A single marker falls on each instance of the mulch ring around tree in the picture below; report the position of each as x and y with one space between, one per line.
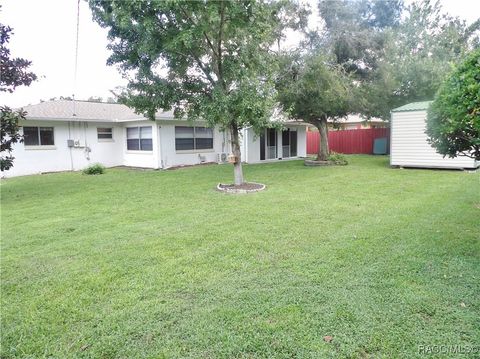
318 163
247 187
325 163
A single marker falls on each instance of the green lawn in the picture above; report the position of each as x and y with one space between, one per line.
157 264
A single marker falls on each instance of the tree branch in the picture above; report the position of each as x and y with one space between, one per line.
219 46
203 32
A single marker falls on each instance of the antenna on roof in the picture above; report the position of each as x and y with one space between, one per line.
76 60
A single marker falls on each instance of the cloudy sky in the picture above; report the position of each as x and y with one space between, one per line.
45 31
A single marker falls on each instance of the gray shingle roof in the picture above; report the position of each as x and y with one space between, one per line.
86 111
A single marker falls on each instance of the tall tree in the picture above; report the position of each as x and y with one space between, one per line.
453 123
397 54
313 90
208 60
354 31
418 55
13 73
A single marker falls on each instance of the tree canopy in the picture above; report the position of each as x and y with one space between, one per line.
312 89
396 54
453 124
13 73
208 60
418 54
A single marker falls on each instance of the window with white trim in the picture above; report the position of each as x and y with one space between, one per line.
104 133
139 138
193 138
38 136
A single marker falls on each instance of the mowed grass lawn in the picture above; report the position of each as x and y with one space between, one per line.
157 264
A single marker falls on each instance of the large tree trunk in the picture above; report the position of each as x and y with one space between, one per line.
323 151
237 166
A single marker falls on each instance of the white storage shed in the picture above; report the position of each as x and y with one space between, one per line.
409 146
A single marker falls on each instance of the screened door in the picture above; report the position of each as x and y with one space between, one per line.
293 143
286 143
271 143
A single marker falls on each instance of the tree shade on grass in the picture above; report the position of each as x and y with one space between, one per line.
152 264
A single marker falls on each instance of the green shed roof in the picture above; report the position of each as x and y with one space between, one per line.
413 106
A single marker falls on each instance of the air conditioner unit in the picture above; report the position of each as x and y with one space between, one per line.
222 157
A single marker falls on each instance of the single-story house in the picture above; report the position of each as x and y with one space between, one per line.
408 143
64 135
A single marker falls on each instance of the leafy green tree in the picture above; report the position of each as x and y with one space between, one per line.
313 90
13 73
418 54
396 54
355 31
453 123
208 60
9 134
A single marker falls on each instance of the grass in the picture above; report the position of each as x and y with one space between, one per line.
156 264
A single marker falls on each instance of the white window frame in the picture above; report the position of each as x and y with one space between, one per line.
139 139
40 146
105 133
194 150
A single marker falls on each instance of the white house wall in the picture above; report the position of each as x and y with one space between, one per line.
170 157
409 146
59 157
302 141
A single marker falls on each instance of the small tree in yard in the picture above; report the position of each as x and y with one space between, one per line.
13 73
208 60
453 123
314 91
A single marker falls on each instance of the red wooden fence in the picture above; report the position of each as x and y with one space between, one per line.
348 141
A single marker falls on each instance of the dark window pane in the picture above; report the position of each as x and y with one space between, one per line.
133 144
146 132
183 132
285 138
104 133
203 132
203 143
183 144
293 143
271 137
46 136
132 132
103 130
146 144
30 136
262 146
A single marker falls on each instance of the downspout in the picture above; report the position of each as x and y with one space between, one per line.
70 148
87 149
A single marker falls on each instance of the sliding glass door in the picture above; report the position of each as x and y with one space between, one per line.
271 143
289 143
293 143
